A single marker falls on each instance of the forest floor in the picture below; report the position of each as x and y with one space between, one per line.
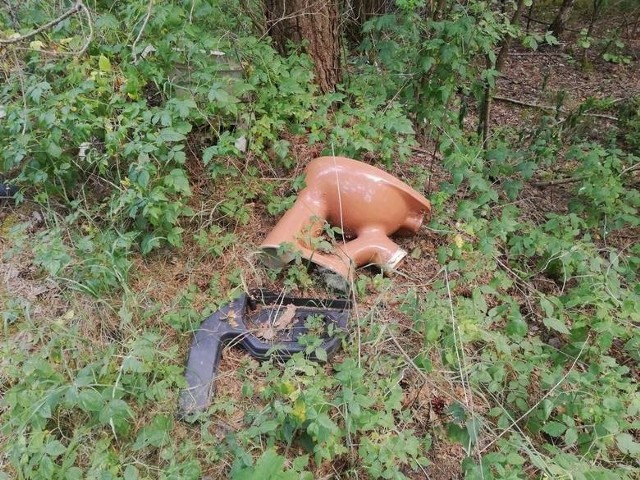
161 280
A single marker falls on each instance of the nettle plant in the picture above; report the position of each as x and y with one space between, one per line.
536 355
55 416
425 59
329 416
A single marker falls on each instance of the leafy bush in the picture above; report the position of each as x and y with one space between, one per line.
521 350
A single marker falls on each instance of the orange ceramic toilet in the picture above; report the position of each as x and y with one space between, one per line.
366 203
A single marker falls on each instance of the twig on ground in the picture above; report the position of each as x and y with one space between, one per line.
76 8
630 169
433 153
601 115
539 53
87 13
559 181
564 181
79 6
137 39
552 108
459 350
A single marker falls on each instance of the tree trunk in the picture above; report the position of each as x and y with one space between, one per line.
315 22
558 24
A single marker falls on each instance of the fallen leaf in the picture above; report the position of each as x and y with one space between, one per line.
265 332
231 318
286 319
269 331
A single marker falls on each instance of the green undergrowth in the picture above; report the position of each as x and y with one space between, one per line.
519 355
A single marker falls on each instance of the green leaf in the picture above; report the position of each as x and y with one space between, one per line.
131 473
300 462
516 325
612 403
281 148
269 465
527 169
90 400
208 154
104 64
178 180
174 236
547 306
426 63
155 434
268 426
321 354
54 150
611 425
170 135
46 467
118 415
570 436
423 362
555 429
459 434
511 188
74 473
556 324
55 448
465 210
627 444
149 242
143 179
220 96
402 126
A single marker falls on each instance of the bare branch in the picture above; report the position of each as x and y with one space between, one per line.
137 39
559 181
87 13
75 9
630 169
552 108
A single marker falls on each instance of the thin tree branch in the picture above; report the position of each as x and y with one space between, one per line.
144 24
559 181
524 104
601 115
86 11
76 8
552 108
564 181
630 169
12 13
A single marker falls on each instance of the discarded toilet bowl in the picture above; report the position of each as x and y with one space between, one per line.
367 204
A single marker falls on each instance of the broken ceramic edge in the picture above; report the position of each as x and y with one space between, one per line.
274 258
334 280
7 191
335 271
270 257
396 259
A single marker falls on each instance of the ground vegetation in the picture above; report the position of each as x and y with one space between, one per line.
147 147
